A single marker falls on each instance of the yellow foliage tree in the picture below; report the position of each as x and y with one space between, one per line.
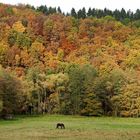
17 26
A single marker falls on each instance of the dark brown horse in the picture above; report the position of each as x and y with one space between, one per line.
60 125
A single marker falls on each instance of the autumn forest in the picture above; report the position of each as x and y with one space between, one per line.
79 63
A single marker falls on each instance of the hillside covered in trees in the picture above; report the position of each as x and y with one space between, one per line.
85 64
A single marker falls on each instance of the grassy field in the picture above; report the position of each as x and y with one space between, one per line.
77 128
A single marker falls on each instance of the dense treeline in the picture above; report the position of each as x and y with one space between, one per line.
121 15
68 65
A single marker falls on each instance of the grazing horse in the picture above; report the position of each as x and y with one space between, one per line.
61 125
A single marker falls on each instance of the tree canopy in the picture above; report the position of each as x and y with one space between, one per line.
83 62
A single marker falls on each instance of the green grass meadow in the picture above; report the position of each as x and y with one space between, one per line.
77 128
